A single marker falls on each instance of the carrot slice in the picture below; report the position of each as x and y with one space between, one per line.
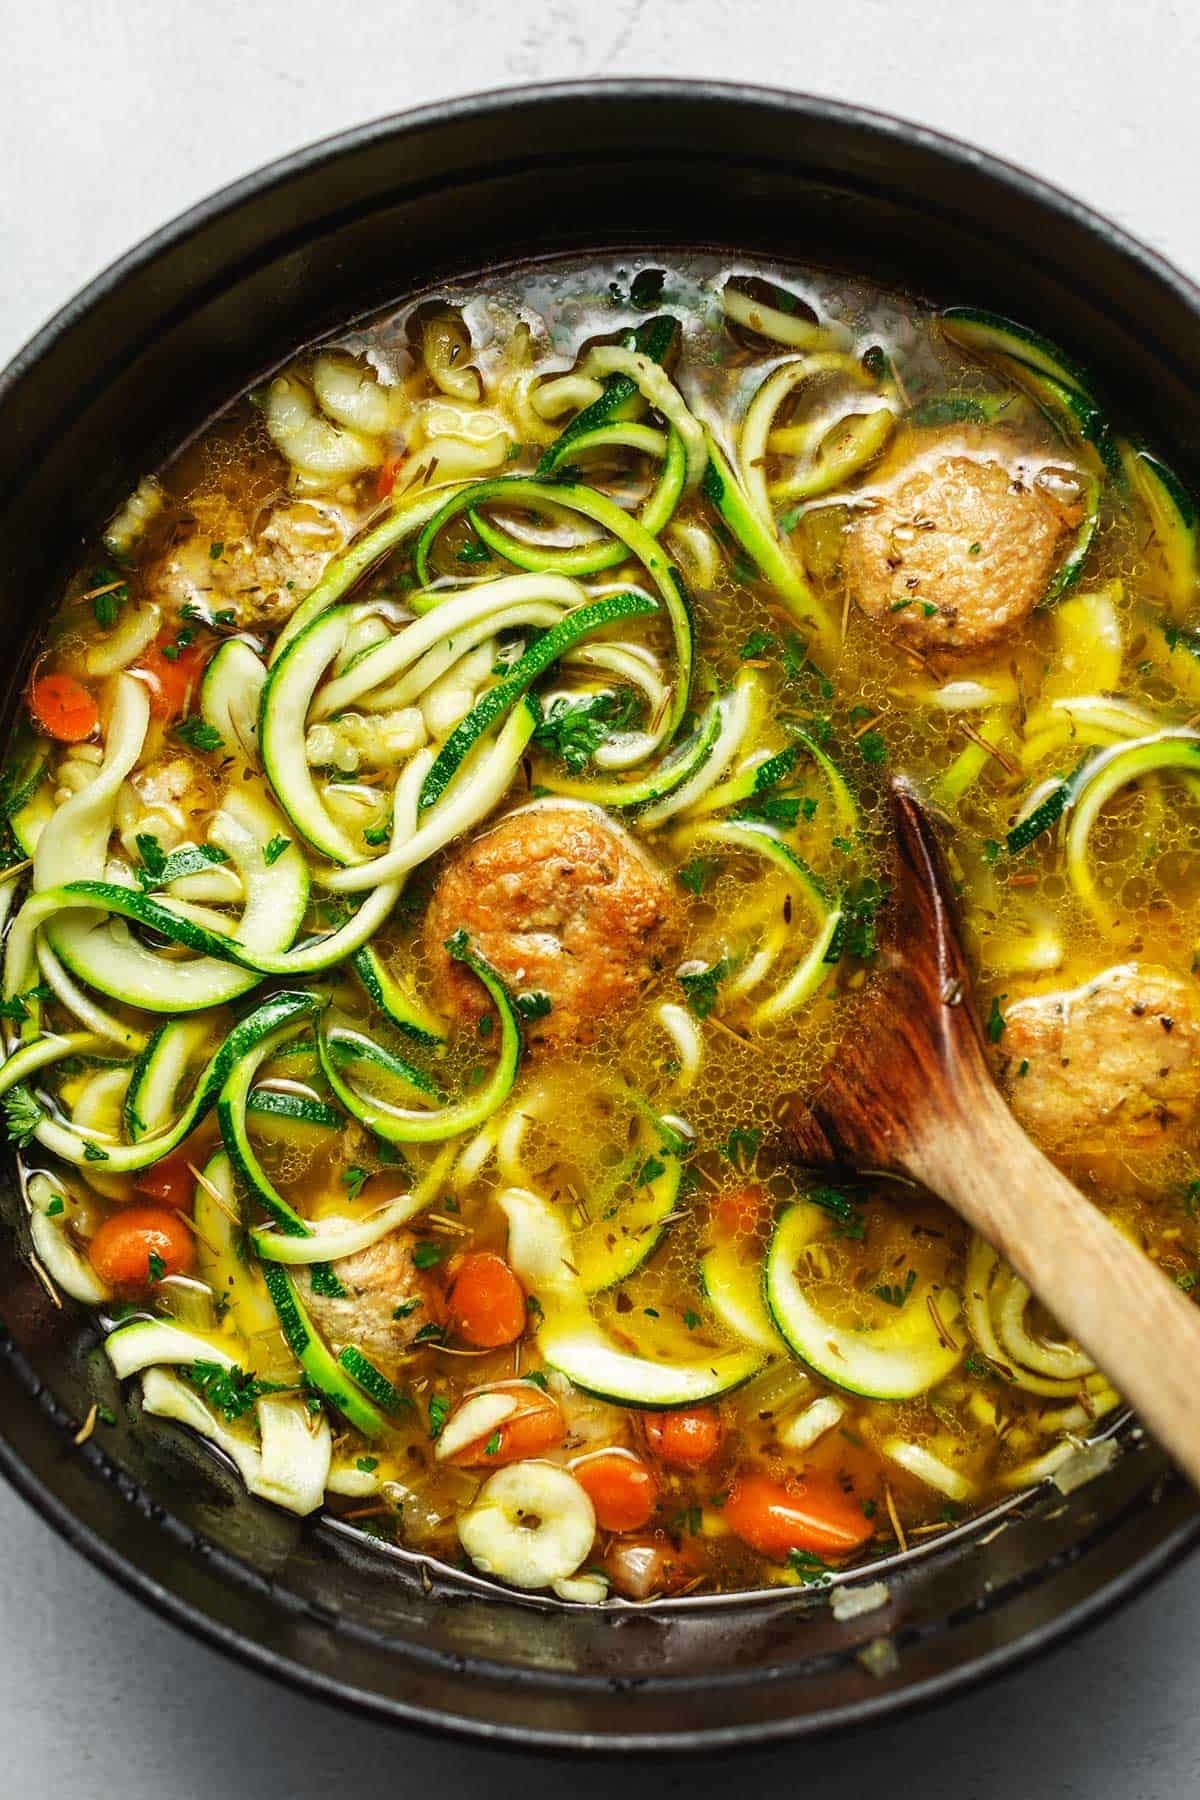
538 1427
687 1439
810 1513
172 672
63 708
621 1488
140 1245
486 1302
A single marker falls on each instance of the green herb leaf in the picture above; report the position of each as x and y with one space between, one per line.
573 730
534 1005
696 875
996 1024
895 1294
156 1268
741 1146
232 1391
427 1254
650 1171
198 734
439 1412
367 1465
812 1569
701 988
275 849
353 1180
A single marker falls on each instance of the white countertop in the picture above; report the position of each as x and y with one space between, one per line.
118 114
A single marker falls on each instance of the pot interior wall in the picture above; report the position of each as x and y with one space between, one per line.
115 383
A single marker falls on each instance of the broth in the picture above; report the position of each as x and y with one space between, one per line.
478 1227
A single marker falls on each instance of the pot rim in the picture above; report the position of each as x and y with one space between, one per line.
1140 1573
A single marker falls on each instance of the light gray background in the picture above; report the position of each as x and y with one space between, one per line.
114 115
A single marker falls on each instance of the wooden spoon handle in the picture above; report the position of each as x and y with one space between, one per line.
1141 1329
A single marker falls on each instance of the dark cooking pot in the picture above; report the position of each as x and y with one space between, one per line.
112 384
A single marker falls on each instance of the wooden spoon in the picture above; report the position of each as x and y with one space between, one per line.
910 1093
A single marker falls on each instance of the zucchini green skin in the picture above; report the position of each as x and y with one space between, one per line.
722 489
29 820
315 1358
520 490
23 775
904 1358
281 1012
656 338
734 1291
536 660
993 333
589 559
231 1117
401 1007
372 1381
145 910
296 1109
1176 525
621 1238
572 1343
286 696
164 1059
436 1126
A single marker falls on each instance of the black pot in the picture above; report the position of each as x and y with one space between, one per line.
114 383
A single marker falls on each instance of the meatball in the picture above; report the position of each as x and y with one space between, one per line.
379 1282
561 903
958 548
259 568
1118 1056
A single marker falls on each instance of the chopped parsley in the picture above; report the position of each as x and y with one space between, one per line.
198 734
427 1254
759 643
353 1180
367 1465
538 1379
22 1116
811 1569
231 1392
701 987
691 1319
848 1220
872 748
439 1412
534 1005
696 875
216 552
55 1207
492 1447
741 1146
275 849
156 1268
650 1171
573 730
473 551
405 1309
93 1153
996 1024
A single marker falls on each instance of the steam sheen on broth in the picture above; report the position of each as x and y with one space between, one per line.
447 825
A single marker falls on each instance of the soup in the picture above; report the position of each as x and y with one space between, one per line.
445 830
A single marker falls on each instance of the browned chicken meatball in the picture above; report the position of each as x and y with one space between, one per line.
1116 1060
379 1283
958 547
561 903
